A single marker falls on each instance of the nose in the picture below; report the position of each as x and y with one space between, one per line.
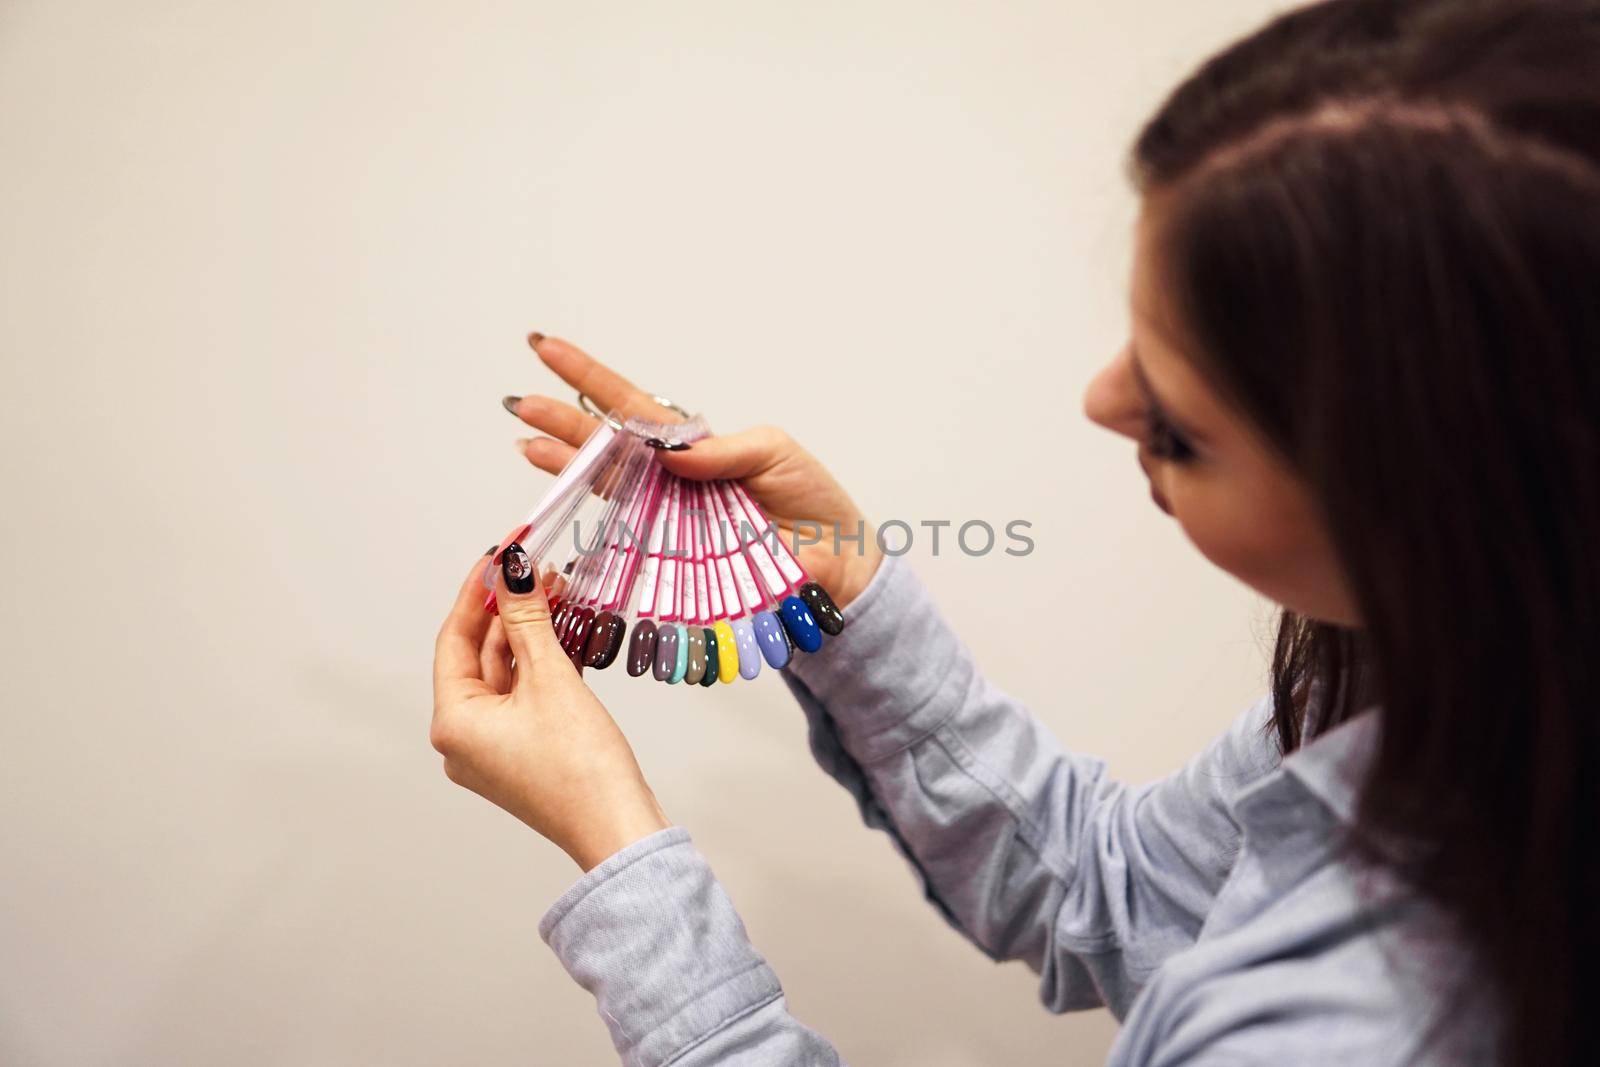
1113 398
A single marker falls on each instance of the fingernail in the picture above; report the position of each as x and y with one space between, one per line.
517 568
510 403
492 550
523 443
534 338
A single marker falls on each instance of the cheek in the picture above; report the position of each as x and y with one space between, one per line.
1262 545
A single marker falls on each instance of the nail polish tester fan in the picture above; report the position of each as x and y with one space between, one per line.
711 586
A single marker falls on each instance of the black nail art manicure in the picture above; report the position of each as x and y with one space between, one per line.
510 403
517 568
492 550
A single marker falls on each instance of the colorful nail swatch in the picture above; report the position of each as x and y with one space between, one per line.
605 639
744 637
713 656
801 626
830 620
727 651
680 662
774 642
666 653
710 589
641 647
696 669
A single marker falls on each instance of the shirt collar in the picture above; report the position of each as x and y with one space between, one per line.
1333 766
1289 816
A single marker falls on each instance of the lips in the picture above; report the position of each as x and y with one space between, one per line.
1155 494
1161 501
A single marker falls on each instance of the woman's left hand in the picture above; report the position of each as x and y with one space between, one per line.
517 726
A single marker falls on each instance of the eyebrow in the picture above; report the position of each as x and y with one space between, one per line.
1164 409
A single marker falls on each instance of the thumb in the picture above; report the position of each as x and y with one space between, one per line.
525 613
738 455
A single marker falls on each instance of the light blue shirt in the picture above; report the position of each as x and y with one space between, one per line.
1215 912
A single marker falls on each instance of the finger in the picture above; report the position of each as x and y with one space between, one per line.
561 421
455 652
525 616
546 454
609 390
495 658
738 455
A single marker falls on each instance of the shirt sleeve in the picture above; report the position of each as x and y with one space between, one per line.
651 933
1031 852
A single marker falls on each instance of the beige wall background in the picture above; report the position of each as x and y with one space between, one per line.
266 269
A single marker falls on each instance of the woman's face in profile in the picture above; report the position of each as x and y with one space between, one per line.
1208 467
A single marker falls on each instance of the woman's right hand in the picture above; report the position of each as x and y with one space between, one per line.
786 480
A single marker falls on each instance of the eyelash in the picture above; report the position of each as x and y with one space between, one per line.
1164 442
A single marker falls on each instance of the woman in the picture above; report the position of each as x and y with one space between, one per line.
1364 377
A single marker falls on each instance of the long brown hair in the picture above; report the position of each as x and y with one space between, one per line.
1385 246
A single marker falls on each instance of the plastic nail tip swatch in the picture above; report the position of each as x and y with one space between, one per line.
727 652
605 640
666 652
641 647
568 626
713 657
829 618
697 656
680 663
709 589
801 626
774 642
744 639
583 619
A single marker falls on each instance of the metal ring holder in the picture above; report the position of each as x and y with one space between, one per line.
589 407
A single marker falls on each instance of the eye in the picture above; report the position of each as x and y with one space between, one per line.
1164 442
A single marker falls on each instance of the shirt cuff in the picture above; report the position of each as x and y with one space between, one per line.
896 673
651 933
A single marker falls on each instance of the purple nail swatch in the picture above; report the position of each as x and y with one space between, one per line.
770 635
744 640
